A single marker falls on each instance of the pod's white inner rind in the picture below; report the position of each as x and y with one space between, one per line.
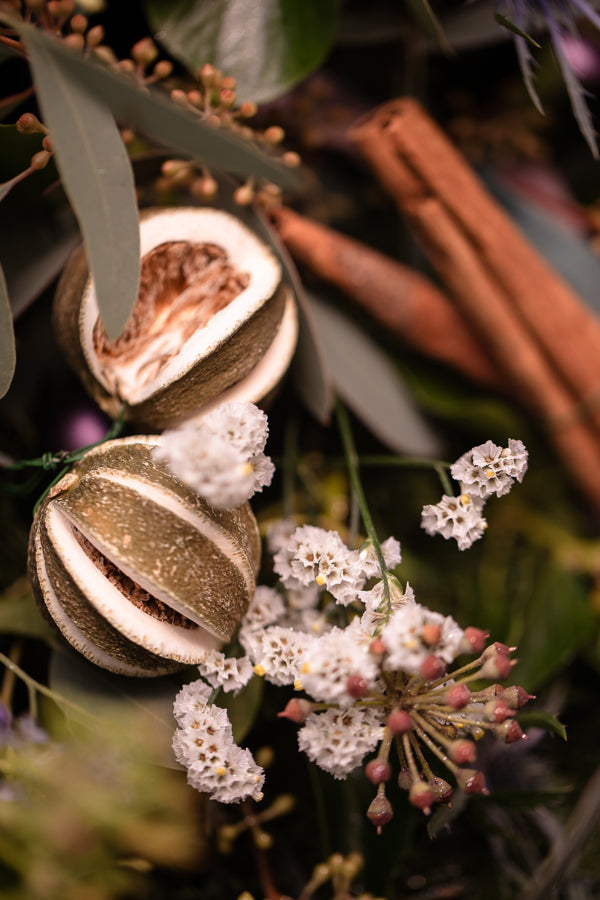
246 253
164 639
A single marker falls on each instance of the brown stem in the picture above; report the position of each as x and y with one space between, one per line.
397 296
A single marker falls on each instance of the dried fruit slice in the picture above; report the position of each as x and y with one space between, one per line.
210 307
138 572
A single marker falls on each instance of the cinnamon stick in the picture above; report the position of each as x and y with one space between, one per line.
397 296
496 279
414 160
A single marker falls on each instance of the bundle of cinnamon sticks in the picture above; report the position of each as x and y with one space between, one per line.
505 319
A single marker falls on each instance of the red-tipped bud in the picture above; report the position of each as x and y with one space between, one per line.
226 97
399 721
78 23
462 752
516 696
405 779
291 159
498 666
458 695
229 83
247 109
377 770
471 781
30 124
94 36
497 710
144 51
204 188
40 160
432 668
421 796
377 647
441 790
297 710
208 75
473 640
162 69
431 633
380 812
357 686
497 649
274 135
509 731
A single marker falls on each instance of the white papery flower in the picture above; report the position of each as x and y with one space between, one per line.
489 469
455 517
376 607
277 652
414 632
220 455
266 608
392 556
226 672
332 659
315 555
338 740
204 745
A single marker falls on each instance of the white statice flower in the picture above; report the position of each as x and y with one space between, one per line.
334 658
338 740
278 534
315 555
392 556
204 744
226 672
276 652
220 456
455 517
376 606
414 632
489 469
266 608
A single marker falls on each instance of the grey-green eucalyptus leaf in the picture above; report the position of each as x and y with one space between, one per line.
97 176
268 46
7 339
154 115
370 385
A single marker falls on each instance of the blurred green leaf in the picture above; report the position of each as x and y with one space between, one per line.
97 176
545 720
153 114
267 46
370 385
108 698
7 339
243 708
20 614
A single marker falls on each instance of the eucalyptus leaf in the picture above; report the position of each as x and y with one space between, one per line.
540 719
97 176
7 339
268 46
243 708
101 700
155 115
368 382
20 614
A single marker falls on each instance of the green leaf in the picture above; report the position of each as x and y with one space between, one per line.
368 382
108 702
545 720
153 114
7 339
97 176
243 708
268 46
20 614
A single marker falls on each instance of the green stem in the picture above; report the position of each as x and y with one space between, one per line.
353 470
438 465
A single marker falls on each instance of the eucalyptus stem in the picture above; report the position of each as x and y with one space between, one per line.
353 470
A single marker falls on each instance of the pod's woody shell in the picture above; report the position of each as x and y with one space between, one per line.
137 572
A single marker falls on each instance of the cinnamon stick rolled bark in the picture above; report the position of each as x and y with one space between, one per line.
535 328
414 161
397 296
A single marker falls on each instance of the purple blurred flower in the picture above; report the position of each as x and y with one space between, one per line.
559 17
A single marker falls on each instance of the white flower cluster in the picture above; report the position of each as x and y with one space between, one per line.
483 471
220 455
204 744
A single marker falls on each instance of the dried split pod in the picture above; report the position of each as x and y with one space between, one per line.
213 319
139 573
